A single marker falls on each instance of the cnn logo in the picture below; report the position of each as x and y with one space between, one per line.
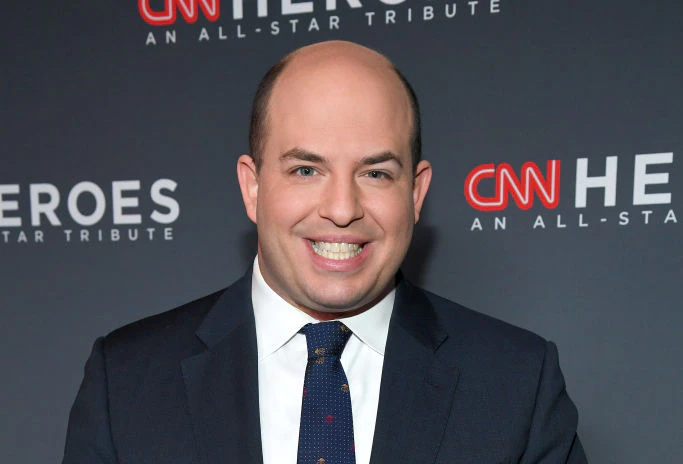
507 184
189 9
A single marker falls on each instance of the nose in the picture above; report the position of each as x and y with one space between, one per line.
340 202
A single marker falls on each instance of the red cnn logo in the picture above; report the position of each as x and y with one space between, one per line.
508 184
188 8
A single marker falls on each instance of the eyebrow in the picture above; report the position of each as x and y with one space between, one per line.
300 154
381 158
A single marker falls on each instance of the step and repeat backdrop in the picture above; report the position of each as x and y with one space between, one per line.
555 129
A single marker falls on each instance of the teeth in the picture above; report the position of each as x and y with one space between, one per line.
335 250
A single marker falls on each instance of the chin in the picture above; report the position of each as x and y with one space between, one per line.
344 301
330 303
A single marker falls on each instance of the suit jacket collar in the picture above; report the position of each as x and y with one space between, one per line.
417 389
414 313
232 311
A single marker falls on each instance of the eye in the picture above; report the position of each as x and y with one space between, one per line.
377 175
305 171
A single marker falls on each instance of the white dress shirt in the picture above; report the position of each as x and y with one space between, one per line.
282 357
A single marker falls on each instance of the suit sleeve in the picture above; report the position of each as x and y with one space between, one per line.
88 437
552 437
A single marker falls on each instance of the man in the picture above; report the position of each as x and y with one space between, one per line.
335 185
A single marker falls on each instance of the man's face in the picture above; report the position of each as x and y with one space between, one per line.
336 196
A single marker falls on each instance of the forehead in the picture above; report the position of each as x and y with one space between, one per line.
330 101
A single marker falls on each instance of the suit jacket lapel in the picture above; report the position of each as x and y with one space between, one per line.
222 382
418 385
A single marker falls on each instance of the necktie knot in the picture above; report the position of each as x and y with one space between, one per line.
326 338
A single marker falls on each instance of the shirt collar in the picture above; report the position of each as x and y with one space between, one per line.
277 321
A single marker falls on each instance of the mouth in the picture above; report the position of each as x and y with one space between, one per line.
337 250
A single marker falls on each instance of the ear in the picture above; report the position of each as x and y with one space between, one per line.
248 180
423 177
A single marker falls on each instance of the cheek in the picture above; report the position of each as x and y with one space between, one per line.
283 207
395 215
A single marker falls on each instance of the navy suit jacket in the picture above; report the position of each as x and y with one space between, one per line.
457 387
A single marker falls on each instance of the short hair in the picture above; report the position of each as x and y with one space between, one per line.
258 127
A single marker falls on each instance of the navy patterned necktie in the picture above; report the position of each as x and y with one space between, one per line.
326 431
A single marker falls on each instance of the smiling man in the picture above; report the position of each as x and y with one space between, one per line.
323 353
333 185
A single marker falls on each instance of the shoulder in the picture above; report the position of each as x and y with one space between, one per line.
467 320
170 334
483 338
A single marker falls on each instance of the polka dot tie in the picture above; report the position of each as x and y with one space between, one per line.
326 432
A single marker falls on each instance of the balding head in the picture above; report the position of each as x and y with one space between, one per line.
332 67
